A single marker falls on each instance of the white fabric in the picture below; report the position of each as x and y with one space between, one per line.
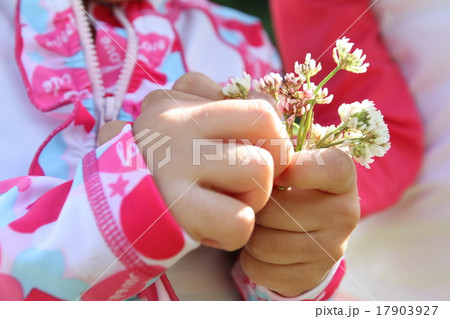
20 145
403 252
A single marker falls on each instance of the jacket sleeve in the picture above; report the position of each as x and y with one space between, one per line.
105 235
303 26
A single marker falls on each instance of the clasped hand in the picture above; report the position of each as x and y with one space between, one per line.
290 238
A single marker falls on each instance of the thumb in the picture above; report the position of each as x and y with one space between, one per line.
109 130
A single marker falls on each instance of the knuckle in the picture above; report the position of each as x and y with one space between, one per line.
289 280
239 235
349 212
256 271
187 81
255 245
343 170
352 215
309 277
315 276
247 263
335 252
331 250
153 100
258 162
233 245
264 113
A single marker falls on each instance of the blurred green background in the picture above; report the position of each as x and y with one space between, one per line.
258 8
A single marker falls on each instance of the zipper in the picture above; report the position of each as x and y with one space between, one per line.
107 107
131 52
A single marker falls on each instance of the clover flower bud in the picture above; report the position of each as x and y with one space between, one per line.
309 68
352 62
293 83
238 88
269 84
321 96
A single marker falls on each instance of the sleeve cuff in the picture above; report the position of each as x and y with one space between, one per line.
132 216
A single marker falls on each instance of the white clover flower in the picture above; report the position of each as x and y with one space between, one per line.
238 88
378 150
378 140
363 134
343 47
361 116
352 62
361 154
367 134
321 97
318 132
309 68
269 84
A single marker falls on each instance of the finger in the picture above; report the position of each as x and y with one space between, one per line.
170 98
217 220
262 96
285 247
251 121
328 170
287 280
244 121
256 116
301 210
251 166
199 84
109 130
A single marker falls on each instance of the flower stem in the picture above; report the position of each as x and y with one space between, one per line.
340 128
295 128
305 128
301 134
326 79
306 121
331 144
289 129
340 142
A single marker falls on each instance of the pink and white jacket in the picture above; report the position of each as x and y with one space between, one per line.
83 224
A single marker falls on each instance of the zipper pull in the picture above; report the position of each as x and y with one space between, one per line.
110 108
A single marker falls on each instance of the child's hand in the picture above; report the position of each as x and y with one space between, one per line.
214 202
324 202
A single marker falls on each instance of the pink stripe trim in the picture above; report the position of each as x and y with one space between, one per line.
150 293
169 288
111 233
